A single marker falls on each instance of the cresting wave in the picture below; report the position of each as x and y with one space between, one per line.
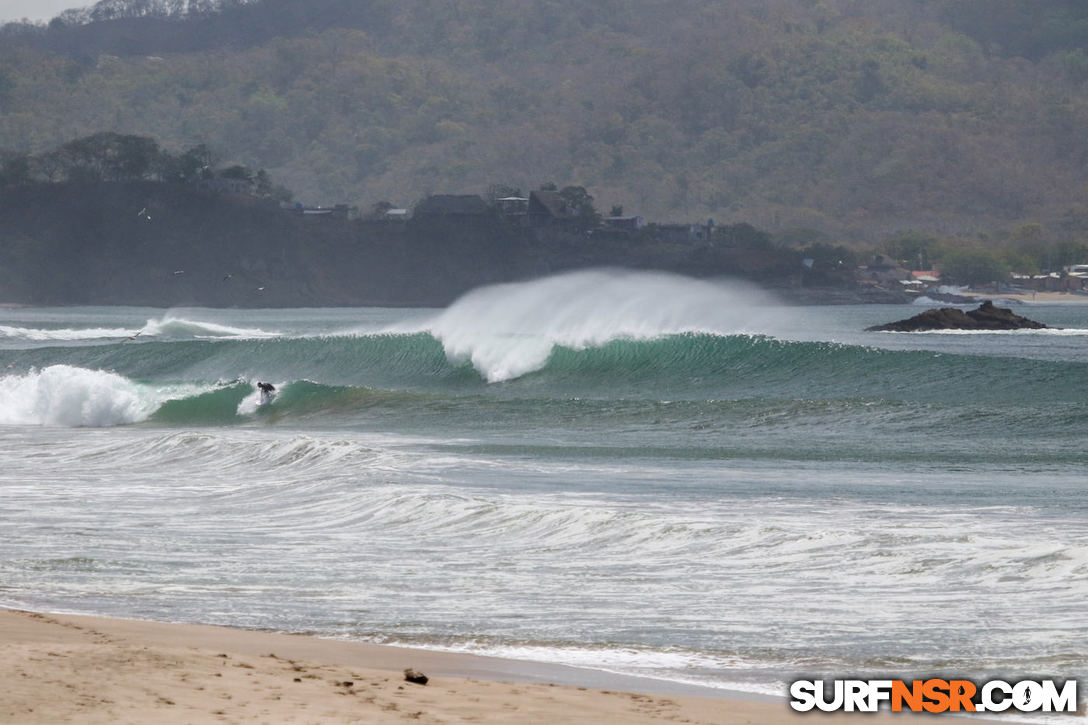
167 327
192 383
509 330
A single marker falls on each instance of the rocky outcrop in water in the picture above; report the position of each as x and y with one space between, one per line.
986 317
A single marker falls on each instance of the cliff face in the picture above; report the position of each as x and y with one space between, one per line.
162 245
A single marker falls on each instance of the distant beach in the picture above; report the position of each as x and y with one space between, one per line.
1042 298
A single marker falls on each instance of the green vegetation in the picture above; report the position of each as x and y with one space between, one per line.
108 156
859 121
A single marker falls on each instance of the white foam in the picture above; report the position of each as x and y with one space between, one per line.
65 395
41 335
509 330
249 404
170 326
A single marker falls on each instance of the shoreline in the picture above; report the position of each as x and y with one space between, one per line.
1039 298
65 668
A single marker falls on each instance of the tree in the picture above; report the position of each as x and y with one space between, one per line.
268 190
579 203
870 84
237 171
109 156
133 157
974 266
911 249
195 163
741 236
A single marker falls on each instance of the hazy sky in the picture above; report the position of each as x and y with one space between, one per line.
37 9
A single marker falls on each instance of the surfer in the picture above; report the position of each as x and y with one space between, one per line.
266 391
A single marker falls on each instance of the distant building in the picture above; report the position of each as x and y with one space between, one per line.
926 276
513 205
339 211
624 223
549 206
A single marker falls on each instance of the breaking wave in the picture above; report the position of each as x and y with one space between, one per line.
168 327
509 330
71 396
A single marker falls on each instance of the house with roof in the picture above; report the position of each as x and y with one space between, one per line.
513 205
548 206
624 223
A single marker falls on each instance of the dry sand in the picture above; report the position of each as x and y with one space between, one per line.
1036 297
73 669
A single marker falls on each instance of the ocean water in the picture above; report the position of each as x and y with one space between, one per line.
632 472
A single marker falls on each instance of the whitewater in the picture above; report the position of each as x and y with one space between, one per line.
632 472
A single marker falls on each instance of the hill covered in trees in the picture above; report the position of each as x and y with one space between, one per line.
843 120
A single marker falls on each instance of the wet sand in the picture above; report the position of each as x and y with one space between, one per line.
64 668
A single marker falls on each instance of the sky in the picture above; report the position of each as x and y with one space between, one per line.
37 9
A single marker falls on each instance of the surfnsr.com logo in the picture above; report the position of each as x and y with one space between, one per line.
934 696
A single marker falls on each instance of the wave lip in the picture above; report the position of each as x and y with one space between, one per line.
509 330
179 327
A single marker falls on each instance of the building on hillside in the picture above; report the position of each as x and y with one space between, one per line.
926 276
339 211
513 205
624 223
548 206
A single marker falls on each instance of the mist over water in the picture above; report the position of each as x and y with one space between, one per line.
509 330
629 471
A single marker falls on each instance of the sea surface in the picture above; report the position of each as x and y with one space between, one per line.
637 473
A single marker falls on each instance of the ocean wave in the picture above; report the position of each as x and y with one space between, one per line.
72 396
213 382
179 327
509 330
166 327
36 334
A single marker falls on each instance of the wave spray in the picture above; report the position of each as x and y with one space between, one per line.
509 330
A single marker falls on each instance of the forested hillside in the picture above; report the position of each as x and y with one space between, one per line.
857 118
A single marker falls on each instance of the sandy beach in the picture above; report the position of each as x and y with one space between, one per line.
64 668
1039 298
